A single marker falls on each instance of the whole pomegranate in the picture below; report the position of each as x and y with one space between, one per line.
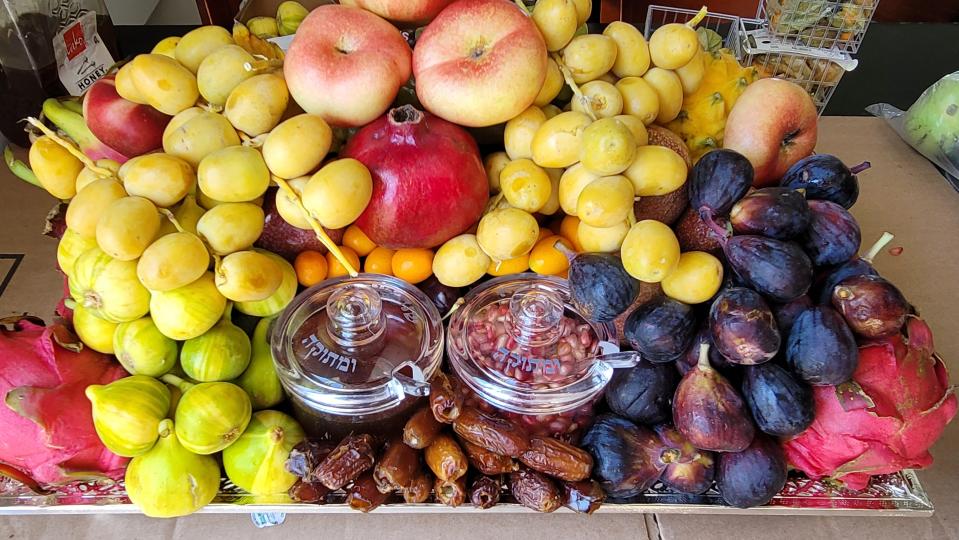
429 184
883 420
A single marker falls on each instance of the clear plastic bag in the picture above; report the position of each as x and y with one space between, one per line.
931 125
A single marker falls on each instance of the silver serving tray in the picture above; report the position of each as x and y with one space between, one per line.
897 494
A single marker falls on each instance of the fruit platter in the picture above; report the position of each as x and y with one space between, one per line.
458 256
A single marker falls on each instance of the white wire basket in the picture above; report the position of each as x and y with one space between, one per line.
824 24
752 42
817 70
727 26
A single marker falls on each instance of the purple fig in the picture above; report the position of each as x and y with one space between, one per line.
753 476
661 329
786 313
743 327
690 358
872 306
859 266
718 180
777 269
821 349
833 236
773 212
825 177
709 412
626 457
688 470
643 393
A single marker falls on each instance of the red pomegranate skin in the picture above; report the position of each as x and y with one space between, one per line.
429 183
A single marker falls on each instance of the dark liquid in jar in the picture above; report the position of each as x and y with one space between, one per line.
28 69
362 366
25 81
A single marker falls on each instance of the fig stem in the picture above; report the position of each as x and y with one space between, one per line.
703 11
561 247
722 232
69 147
228 312
70 303
317 229
577 93
703 362
456 305
877 247
183 385
19 169
861 167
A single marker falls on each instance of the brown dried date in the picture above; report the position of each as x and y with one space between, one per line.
306 455
445 402
451 492
583 497
420 489
363 495
349 459
421 429
309 492
494 434
488 462
485 491
397 467
445 458
557 458
535 490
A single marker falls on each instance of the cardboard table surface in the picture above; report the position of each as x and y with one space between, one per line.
902 193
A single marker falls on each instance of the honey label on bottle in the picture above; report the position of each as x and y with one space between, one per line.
82 57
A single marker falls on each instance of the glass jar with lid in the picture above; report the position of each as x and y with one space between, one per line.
355 354
519 349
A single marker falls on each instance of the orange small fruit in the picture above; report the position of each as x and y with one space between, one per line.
412 264
511 266
336 269
355 238
546 259
311 267
569 229
379 261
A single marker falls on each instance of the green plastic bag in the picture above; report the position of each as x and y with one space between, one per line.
931 125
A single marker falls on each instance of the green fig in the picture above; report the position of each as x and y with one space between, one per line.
210 416
169 480
260 380
256 461
281 297
95 332
222 353
142 349
127 412
289 15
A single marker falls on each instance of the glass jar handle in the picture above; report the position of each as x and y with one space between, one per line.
417 385
611 355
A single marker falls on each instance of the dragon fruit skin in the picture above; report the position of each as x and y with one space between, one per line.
48 434
896 406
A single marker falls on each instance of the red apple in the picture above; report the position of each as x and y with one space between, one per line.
773 124
417 12
346 65
479 63
127 127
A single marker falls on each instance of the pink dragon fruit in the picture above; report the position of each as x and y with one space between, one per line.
45 418
885 419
